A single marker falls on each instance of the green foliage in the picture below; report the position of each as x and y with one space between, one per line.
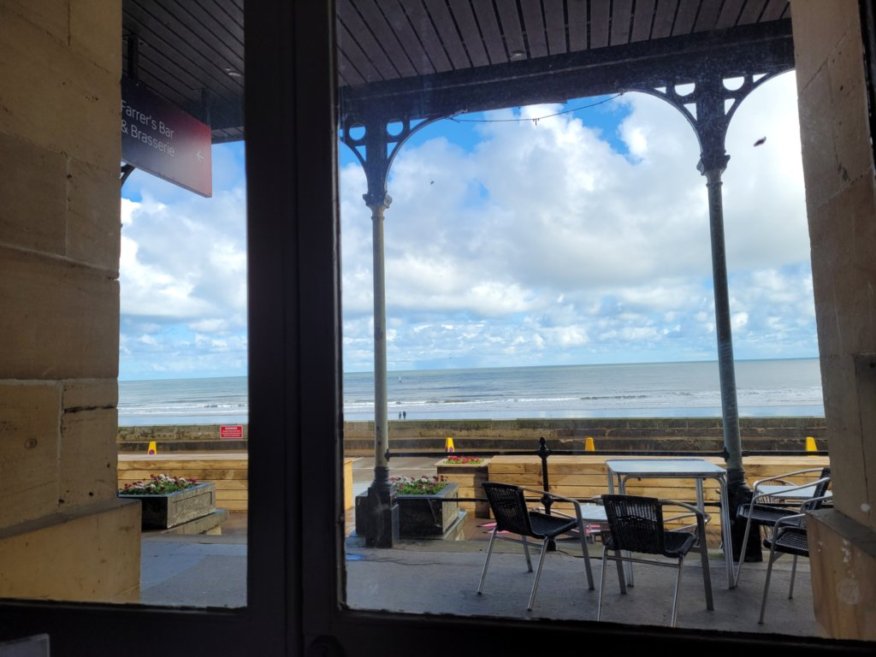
159 484
417 485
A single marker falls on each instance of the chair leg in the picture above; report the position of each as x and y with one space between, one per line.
586 553
544 549
742 550
793 574
526 552
766 586
487 562
621 576
601 584
675 595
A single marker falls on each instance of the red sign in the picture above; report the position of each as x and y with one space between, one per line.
231 431
165 141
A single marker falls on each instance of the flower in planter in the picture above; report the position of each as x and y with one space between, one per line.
463 460
159 484
417 485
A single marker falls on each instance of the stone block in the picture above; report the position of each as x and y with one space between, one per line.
60 320
88 457
818 26
849 115
83 394
842 556
90 555
820 166
32 196
29 440
49 15
55 98
96 33
93 217
861 482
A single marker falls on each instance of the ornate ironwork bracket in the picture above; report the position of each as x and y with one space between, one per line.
709 104
375 141
126 170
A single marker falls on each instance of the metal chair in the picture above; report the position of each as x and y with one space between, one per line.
636 526
770 503
788 537
510 510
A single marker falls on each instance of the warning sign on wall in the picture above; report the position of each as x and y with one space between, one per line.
231 431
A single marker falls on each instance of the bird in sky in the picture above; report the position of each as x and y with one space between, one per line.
760 141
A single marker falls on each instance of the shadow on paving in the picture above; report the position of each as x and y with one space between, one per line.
441 577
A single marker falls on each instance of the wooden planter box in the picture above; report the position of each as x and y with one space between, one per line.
427 516
468 477
164 511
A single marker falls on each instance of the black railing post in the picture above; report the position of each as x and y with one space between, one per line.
543 453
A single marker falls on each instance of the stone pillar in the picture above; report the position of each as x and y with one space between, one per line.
60 65
841 206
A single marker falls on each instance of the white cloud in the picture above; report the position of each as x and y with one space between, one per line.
577 238
183 276
547 237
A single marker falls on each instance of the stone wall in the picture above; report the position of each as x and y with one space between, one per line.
681 434
60 65
841 207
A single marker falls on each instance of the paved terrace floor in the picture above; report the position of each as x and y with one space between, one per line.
441 577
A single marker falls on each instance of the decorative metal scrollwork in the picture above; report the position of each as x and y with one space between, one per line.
709 106
376 145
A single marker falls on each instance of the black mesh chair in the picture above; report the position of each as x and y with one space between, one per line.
788 537
635 526
771 503
510 510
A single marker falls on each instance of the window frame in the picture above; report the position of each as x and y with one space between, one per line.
295 575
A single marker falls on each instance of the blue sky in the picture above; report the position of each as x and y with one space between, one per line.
580 238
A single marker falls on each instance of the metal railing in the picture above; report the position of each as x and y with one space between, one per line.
543 452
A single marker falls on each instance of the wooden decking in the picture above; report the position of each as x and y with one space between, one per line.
228 470
570 476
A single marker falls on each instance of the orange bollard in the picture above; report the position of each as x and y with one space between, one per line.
589 445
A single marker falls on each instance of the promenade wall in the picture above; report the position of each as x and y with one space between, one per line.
663 434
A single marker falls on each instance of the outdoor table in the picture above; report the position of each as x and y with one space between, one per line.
620 470
795 494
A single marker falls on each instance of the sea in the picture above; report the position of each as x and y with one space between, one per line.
765 388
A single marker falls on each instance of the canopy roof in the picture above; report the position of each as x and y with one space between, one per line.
419 58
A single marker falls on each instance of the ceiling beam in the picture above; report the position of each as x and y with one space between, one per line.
755 49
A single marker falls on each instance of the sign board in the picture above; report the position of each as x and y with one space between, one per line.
231 431
165 141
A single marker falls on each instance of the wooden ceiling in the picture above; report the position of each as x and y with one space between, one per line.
390 51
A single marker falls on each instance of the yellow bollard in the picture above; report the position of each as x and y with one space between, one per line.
589 445
153 447
810 444
448 444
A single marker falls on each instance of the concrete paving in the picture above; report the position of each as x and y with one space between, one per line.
441 577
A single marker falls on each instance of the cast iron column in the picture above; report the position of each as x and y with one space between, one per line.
713 104
380 500
712 124
376 148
